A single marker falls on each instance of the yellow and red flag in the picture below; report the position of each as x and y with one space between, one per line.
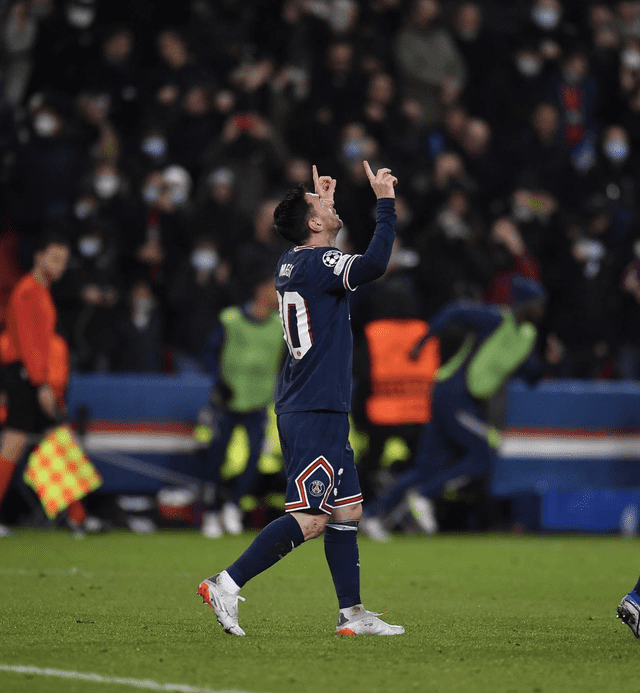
59 471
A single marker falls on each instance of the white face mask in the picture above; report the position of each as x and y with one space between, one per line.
630 58
89 246
80 17
529 67
616 149
106 185
45 124
546 17
178 195
205 259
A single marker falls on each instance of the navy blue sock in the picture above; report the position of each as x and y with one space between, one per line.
636 589
274 542
341 551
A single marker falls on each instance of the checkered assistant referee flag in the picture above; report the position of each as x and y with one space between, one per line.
59 472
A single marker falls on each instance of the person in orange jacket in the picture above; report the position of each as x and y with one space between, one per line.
35 364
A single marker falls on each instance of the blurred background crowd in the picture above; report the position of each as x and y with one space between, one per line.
160 137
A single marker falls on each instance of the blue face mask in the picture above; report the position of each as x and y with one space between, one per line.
150 193
616 149
155 147
353 148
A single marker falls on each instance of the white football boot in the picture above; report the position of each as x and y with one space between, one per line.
363 622
629 612
223 603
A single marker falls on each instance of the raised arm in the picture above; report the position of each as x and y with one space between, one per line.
373 264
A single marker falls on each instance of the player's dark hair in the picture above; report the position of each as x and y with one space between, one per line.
292 214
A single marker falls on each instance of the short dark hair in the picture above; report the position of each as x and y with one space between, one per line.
292 214
51 236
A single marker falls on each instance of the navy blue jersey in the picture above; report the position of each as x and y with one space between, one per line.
313 286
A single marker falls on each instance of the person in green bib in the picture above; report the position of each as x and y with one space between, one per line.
481 347
243 355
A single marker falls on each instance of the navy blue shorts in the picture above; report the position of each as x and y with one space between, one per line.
318 461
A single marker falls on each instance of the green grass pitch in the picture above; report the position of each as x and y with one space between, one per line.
495 614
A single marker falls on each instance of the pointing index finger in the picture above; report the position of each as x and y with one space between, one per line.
316 182
368 170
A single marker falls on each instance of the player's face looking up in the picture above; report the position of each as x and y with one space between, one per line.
324 213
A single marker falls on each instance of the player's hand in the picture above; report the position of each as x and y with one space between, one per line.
383 183
47 400
324 186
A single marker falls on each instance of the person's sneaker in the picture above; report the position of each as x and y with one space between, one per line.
211 525
363 622
423 512
5 531
629 612
232 518
223 603
373 527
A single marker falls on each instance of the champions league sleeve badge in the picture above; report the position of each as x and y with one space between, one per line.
331 258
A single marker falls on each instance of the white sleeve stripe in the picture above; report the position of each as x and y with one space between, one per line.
340 264
345 276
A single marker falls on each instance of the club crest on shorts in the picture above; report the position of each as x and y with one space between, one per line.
316 488
331 257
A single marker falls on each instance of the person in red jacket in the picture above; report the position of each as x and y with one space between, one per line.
29 349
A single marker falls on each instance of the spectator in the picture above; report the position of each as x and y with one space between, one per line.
510 259
196 294
430 66
628 355
138 332
45 179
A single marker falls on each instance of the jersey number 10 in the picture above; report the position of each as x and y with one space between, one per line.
294 315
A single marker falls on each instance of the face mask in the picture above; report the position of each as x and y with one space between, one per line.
529 67
83 210
570 77
522 213
45 124
206 260
106 185
155 147
630 58
89 246
143 305
80 17
546 17
584 157
178 195
353 148
469 34
616 149
150 193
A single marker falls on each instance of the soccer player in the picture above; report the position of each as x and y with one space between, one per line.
313 398
629 610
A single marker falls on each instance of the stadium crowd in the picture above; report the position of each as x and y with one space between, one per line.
160 136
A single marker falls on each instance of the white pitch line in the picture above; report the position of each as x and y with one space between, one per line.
147 684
